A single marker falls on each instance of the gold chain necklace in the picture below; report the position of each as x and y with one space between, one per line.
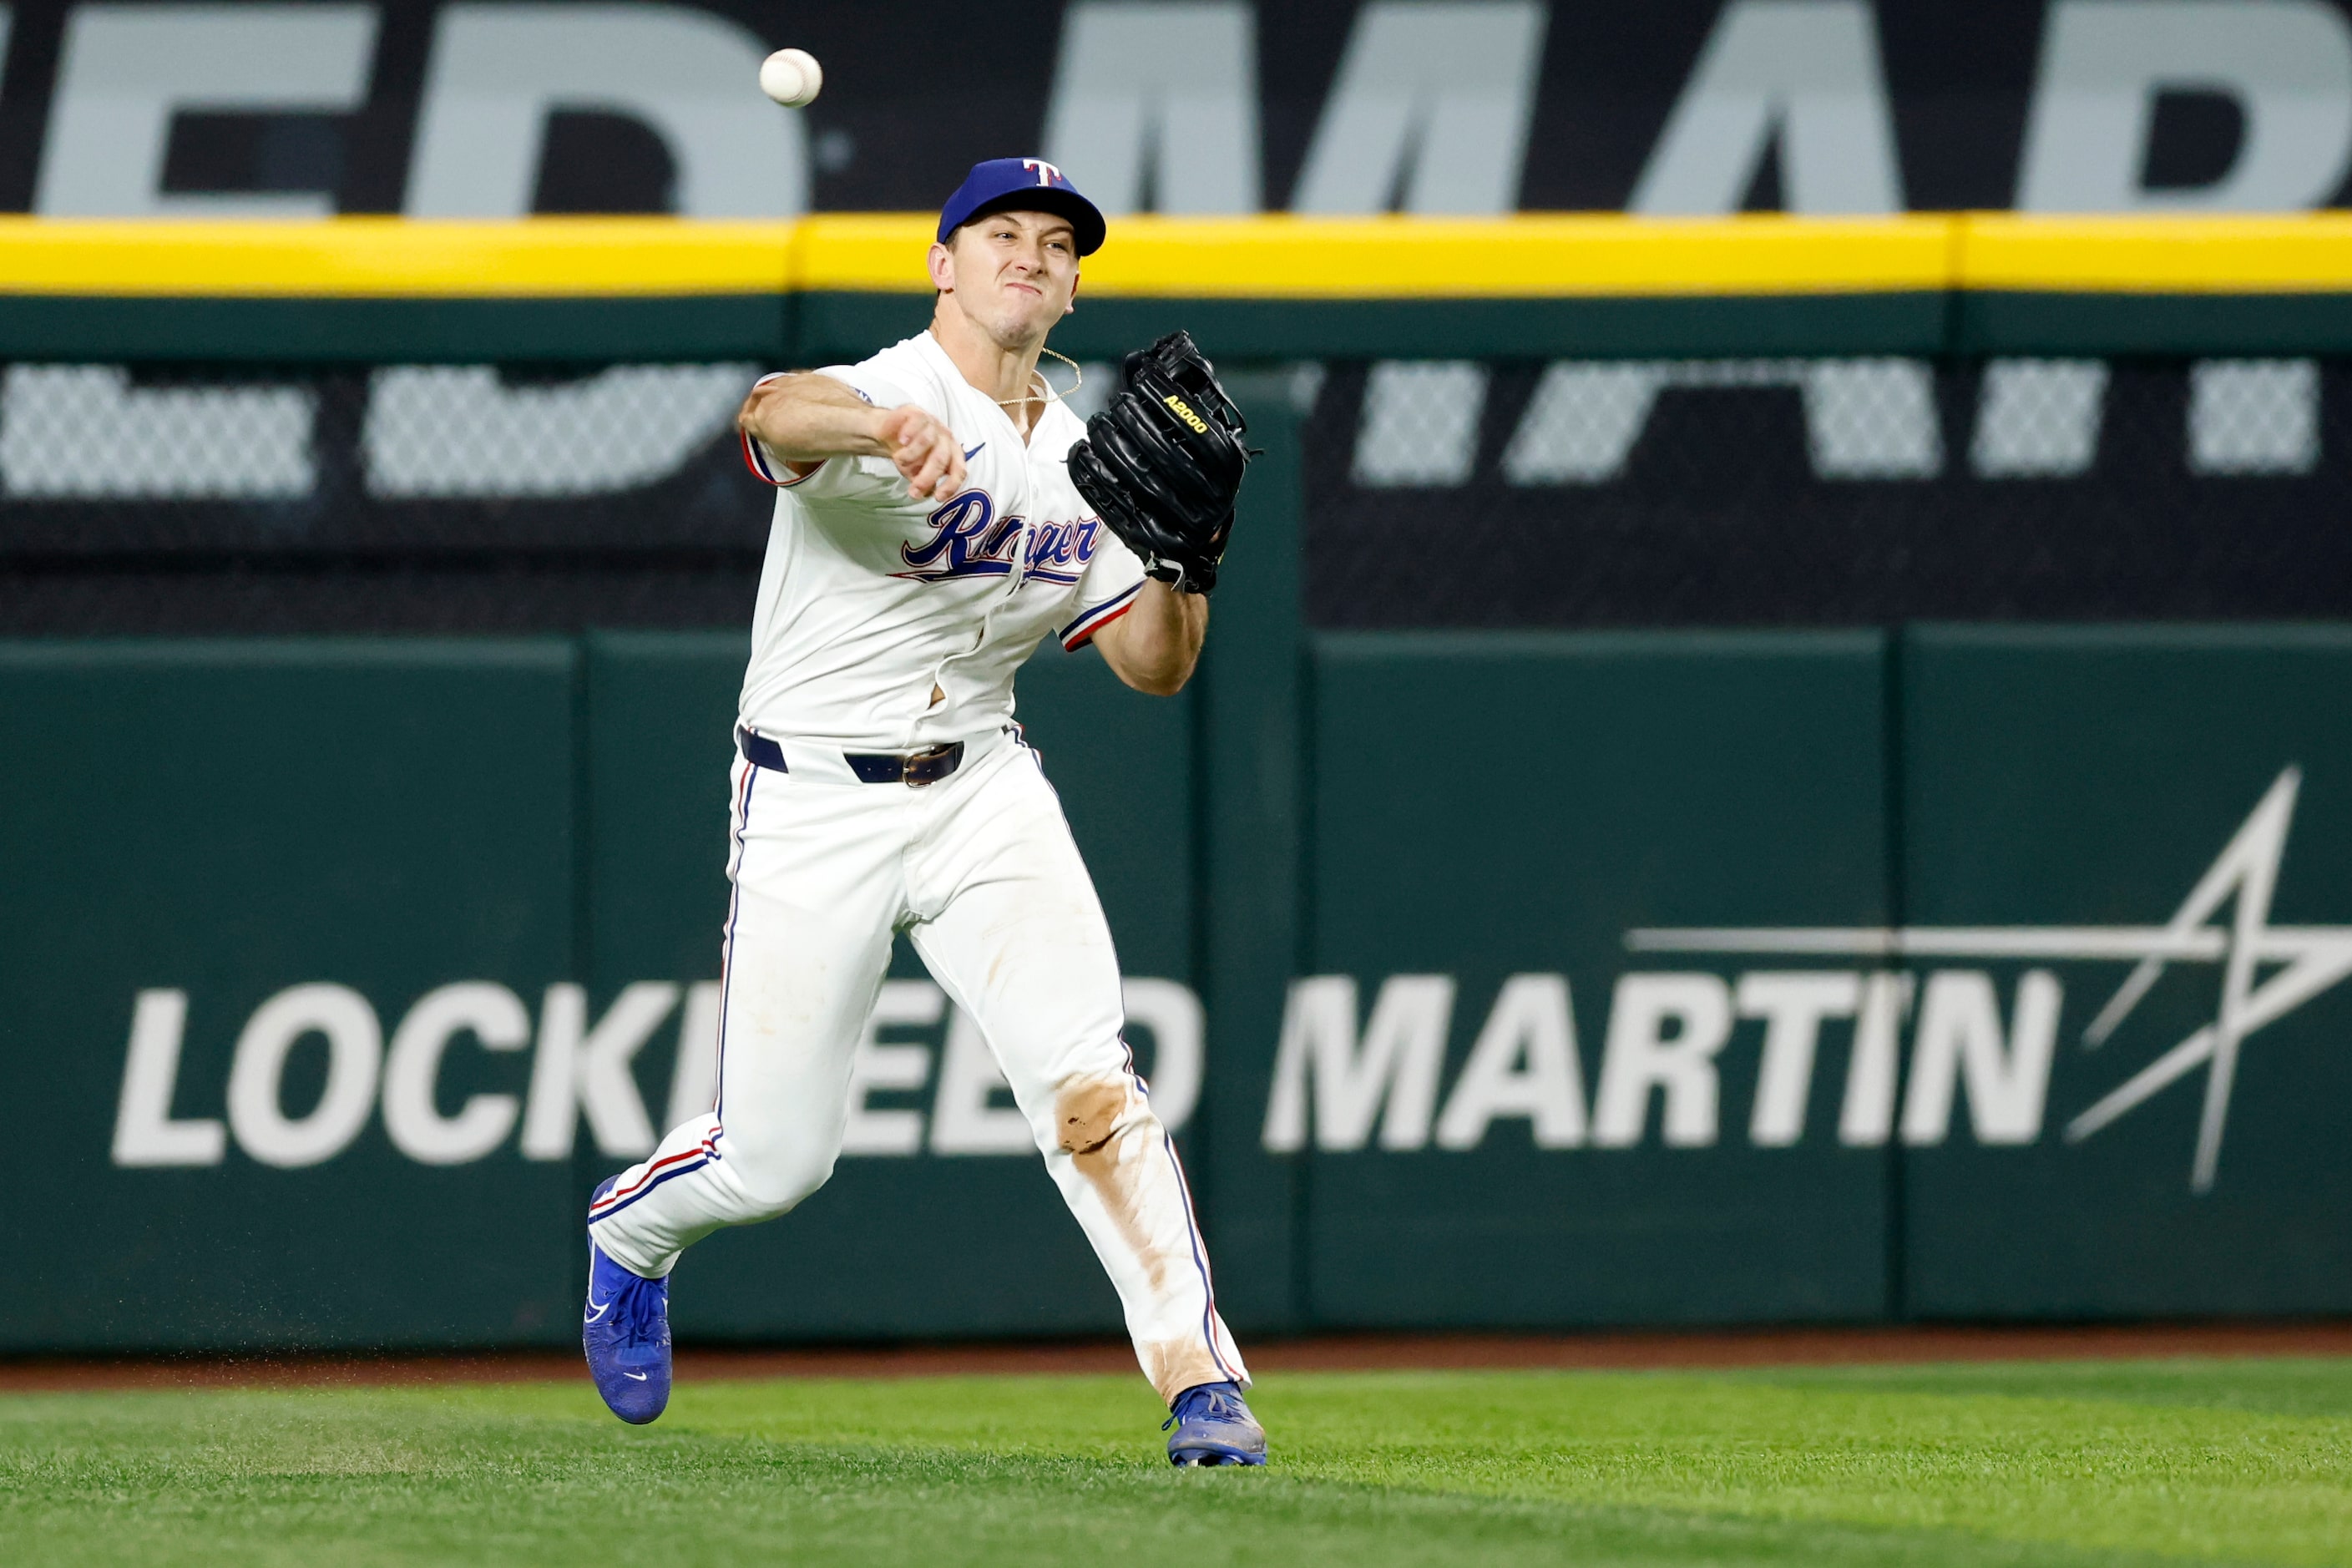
1049 395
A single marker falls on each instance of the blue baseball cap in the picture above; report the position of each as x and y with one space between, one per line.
1027 184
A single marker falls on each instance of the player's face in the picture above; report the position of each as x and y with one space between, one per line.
1014 273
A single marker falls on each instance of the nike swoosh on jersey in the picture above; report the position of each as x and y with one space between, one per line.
968 457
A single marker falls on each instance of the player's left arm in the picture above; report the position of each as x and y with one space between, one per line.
1154 646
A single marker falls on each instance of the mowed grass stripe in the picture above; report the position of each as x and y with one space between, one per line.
2066 1463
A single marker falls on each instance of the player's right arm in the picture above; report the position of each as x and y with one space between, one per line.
804 419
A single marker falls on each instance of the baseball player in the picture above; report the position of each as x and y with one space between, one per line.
938 512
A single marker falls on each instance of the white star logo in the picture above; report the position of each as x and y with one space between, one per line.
2301 962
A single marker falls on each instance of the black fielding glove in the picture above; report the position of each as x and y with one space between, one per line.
1163 462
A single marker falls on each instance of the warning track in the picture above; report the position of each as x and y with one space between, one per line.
1334 1352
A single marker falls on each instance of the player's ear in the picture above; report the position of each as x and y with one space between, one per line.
943 268
1073 305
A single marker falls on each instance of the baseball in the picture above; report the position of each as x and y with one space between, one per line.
792 76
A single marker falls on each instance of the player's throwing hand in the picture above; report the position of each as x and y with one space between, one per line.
925 451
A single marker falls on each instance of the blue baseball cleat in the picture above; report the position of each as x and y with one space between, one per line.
1214 1427
625 1332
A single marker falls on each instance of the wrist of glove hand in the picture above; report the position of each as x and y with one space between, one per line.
1199 577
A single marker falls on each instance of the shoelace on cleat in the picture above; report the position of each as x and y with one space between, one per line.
642 1317
1215 1403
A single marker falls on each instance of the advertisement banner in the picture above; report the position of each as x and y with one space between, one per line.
1500 982
496 109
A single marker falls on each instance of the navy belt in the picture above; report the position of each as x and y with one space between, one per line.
914 769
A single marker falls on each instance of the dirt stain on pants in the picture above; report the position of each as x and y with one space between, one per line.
1114 1140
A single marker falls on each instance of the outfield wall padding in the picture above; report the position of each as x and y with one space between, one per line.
1271 286
1487 808
228 821
1570 949
2096 777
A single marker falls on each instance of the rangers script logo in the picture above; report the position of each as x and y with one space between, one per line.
971 540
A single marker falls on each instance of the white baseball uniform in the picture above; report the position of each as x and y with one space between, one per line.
888 625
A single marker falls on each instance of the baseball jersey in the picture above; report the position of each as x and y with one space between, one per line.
871 600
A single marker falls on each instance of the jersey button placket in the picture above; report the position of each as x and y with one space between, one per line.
1020 573
1012 581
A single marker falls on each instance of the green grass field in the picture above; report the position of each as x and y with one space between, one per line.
2222 1461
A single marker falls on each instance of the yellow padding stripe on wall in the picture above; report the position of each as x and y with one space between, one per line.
1276 256
1280 257
2308 253
388 258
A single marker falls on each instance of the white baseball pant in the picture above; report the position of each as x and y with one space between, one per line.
980 870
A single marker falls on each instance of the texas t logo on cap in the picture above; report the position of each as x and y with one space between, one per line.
1027 184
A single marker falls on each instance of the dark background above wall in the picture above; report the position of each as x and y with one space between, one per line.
1958 79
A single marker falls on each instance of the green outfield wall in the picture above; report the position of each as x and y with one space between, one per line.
1489 980
192 830
1497 981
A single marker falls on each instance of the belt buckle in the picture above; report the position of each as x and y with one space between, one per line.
911 766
